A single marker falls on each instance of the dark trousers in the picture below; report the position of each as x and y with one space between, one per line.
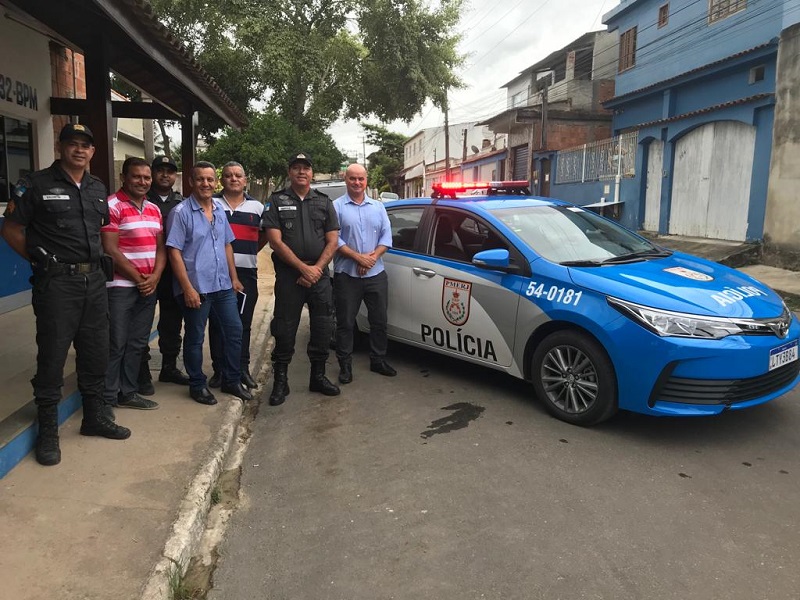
348 294
130 320
223 305
70 309
170 318
246 305
289 301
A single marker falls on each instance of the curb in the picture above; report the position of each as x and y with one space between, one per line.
187 530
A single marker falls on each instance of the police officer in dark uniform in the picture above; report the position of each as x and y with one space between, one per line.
170 315
53 220
303 232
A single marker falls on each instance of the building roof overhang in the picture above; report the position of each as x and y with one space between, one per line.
140 50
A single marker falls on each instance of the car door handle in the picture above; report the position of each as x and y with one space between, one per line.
423 272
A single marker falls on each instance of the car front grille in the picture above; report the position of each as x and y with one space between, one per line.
721 391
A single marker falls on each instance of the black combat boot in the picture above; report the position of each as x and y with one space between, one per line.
320 383
95 422
170 373
345 370
280 384
47 451
145 380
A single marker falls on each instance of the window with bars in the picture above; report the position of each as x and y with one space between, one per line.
627 49
663 15
719 9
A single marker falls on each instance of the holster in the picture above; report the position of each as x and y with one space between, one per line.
107 265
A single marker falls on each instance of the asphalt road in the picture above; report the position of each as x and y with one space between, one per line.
451 482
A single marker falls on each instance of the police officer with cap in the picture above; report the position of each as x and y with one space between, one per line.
53 220
303 231
170 314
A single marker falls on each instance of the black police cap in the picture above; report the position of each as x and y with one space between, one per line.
72 129
301 157
163 161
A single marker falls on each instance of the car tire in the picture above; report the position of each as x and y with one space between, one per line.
573 375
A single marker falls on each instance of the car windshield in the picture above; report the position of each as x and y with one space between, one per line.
570 235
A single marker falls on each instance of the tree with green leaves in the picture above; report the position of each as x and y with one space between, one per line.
386 163
265 144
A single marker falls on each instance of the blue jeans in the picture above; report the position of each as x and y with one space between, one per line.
223 305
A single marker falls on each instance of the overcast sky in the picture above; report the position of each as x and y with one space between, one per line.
500 38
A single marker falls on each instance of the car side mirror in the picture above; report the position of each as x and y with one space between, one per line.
496 258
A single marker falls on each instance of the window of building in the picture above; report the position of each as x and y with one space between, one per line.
16 154
627 49
663 15
757 74
719 9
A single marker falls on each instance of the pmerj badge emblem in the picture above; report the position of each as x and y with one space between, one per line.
456 297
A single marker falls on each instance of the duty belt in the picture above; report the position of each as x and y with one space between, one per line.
73 268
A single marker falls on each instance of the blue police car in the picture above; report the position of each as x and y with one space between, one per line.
596 317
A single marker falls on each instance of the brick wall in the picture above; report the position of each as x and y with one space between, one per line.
68 74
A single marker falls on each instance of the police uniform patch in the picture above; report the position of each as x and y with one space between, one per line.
21 188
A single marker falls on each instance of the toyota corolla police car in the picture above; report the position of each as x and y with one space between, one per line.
596 317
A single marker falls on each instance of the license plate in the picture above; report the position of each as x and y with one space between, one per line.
782 355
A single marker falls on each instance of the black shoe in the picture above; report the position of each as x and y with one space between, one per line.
173 375
382 367
146 388
102 427
345 371
323 385
136 401
48 452
203 396
236 389
215 381
247 379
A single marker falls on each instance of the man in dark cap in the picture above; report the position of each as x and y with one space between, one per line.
53 220
303 232
170 314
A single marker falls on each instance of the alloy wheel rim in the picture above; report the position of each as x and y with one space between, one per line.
569 378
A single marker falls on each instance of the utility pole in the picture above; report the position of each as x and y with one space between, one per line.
464 149
446 141
364 149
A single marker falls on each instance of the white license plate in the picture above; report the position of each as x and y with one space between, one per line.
782 355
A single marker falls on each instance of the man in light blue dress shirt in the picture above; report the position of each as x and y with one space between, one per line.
201 255
359 275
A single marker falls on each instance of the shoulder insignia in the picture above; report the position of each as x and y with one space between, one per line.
21 187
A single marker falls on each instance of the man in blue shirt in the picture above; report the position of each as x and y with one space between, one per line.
201 255
359 275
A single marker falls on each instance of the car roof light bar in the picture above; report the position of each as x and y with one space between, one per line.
444 189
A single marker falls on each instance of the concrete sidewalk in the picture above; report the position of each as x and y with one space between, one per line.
113 516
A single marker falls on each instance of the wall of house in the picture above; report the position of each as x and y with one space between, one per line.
605 56
24 65
688 41
782 222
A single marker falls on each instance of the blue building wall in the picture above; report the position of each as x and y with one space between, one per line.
691 73
14 286
688 40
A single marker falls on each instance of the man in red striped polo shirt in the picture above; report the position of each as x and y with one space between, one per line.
134 238
244 215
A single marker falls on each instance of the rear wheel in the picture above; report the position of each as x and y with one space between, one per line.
574 377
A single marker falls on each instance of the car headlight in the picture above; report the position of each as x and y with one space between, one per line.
667 323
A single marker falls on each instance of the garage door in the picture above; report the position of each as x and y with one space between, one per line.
711 187
520 164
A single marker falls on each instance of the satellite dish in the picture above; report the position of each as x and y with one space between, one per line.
475 149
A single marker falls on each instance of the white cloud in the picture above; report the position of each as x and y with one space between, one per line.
501 39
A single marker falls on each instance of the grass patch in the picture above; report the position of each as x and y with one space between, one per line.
216 496
176 581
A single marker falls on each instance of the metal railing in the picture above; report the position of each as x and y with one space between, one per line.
598 161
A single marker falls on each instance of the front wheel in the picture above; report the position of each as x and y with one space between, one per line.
574 377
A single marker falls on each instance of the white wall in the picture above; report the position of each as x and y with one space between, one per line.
25 61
